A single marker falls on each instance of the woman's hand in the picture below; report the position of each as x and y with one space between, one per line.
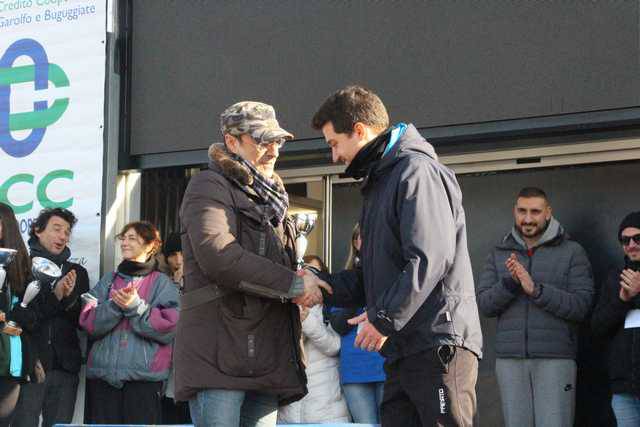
125 297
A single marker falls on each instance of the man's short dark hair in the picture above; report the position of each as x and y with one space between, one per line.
349 106
528 192
45 215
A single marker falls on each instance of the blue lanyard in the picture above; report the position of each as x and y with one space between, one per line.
15 349
396 133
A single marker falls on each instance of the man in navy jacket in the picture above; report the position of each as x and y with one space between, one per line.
416 279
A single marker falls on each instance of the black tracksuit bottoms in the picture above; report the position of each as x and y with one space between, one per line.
436 387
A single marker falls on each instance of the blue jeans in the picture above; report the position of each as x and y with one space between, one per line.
364 400
233 408
626 407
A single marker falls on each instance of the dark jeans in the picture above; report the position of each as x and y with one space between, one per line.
137 402
175 412
9 392
55 398
433 388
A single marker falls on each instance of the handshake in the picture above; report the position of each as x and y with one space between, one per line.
312 294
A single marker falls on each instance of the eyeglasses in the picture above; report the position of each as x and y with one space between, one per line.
263 145
625 240
128 238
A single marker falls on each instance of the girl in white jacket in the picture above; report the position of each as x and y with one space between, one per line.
324 403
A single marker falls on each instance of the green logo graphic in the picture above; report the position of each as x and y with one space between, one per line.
40 73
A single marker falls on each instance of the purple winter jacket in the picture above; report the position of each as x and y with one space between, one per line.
133 344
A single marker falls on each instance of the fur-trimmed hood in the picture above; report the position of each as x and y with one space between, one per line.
219 155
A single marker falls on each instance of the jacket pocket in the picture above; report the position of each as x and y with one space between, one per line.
252 232
247 347
444 312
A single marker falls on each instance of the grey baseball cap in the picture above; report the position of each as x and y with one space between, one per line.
253 118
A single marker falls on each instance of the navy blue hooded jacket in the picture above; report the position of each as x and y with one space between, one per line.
416 279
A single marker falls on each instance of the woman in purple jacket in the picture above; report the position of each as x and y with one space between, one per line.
131 315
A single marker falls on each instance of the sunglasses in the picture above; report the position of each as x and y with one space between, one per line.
625 240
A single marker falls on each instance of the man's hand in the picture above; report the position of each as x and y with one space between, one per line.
69 282
312 294
65 285
520 274
368 337
629 284
510 263
125 297
58 289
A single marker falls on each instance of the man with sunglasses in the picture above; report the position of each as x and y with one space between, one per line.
238 348
538 282
617 319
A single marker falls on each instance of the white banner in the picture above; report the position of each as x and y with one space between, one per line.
52 71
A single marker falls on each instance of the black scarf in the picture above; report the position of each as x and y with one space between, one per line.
633 265
368 155
270 193
37 250
134 268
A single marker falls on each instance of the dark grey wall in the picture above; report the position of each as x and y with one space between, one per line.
434 63
590 201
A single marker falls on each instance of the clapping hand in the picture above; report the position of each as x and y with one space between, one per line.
368 337
312 294
629 284
511 265
65 285
125 297
69 282
520 274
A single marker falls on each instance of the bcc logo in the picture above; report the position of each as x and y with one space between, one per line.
40 73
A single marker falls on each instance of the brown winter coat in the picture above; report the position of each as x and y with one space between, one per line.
250 338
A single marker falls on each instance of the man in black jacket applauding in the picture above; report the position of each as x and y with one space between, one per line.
59 353
617 318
